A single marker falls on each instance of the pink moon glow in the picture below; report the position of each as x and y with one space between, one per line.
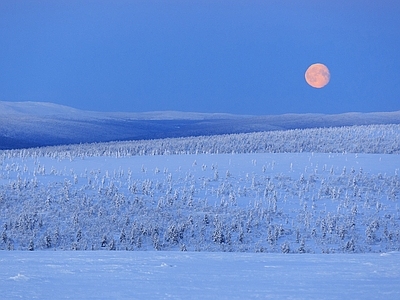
317 75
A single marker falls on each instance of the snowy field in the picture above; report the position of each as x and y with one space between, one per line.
261 202
197 275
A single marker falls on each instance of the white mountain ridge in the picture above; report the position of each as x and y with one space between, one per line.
50 110
33 124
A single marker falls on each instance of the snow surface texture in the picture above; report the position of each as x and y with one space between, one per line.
33 124
106 196
197 275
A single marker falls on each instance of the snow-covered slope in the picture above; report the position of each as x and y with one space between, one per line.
31 124
221 193
287 195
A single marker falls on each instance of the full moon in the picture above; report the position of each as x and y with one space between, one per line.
317 75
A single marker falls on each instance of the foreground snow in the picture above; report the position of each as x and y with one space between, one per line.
197 275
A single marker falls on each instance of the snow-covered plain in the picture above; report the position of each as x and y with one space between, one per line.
229 217
260 202
197 275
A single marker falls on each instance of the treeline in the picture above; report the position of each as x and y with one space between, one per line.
354 139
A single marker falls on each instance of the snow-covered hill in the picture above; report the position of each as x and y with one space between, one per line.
201 207
33 124
220 193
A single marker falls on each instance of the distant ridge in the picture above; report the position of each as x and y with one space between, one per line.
35 124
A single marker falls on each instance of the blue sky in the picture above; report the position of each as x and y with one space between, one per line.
242 57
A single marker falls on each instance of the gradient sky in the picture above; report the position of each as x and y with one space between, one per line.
242 57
